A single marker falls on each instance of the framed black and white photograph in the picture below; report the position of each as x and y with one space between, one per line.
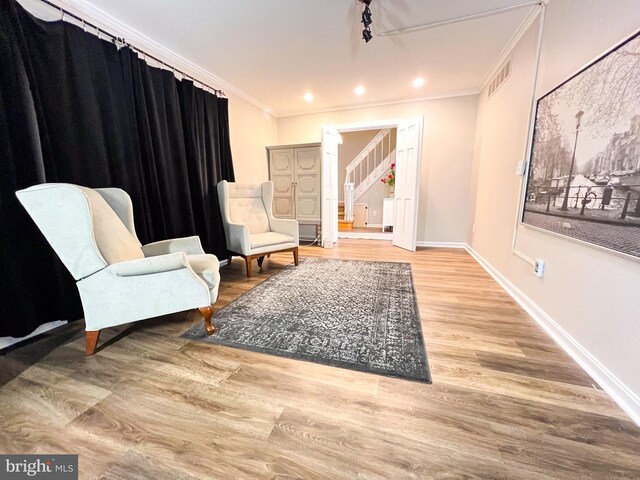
584 173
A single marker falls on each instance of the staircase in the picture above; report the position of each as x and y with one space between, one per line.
342 223
366 169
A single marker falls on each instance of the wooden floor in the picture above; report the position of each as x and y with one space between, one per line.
505 401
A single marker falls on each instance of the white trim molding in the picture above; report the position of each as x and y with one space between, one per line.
367 235
453 20
424 244
612 385
511 44
340 108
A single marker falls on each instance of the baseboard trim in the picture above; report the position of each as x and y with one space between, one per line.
612 385
366 235
420 243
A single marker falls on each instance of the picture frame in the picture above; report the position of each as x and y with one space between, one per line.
583 180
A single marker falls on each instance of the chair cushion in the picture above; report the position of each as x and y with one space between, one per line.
115 242
249 211
207 267
269 238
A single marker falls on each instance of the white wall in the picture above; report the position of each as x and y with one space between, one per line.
591 294
251 130
449 126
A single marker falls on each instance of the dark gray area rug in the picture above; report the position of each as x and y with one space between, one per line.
344 313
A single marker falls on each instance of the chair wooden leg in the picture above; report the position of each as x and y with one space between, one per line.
248 262
207 313
295 256
91 341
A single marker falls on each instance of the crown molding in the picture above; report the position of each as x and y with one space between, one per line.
118 28
511 44
460 93
91 13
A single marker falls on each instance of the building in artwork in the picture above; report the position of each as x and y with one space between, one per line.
622 154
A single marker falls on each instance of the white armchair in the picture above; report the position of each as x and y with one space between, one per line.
249 225
119 280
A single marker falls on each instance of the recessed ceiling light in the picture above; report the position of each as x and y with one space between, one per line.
360 90
308 97
418 82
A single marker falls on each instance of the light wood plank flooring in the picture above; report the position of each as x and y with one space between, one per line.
505 402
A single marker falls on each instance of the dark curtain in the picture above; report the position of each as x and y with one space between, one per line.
204 141
74 108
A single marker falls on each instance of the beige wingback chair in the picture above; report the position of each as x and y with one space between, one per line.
249 225
119 280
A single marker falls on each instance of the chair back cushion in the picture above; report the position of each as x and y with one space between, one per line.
78 223
120 202
246 207
114 240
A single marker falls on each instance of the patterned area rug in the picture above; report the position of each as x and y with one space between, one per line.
344 313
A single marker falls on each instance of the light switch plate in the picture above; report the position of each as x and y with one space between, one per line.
539 268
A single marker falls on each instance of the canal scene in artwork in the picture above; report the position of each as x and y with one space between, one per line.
584 173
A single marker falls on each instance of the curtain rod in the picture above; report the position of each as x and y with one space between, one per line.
120 42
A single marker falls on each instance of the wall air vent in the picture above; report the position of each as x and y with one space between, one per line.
500 78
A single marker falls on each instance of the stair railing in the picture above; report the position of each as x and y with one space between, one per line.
367 168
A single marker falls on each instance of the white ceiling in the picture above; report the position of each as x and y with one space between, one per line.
276 50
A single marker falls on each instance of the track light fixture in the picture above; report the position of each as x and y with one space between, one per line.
367 35
366 21
366 17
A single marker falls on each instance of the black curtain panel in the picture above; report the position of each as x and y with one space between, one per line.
35 287
205 142
74 108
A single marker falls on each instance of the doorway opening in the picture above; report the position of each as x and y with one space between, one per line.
366 173
370 181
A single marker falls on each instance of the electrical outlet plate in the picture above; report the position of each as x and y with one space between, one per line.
539 268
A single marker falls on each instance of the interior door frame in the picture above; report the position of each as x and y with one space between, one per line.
356 127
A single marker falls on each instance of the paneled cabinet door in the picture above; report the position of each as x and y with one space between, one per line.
307 184
282 176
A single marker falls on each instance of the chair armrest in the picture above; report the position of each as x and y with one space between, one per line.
286 226
238 240
188 245
150 265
